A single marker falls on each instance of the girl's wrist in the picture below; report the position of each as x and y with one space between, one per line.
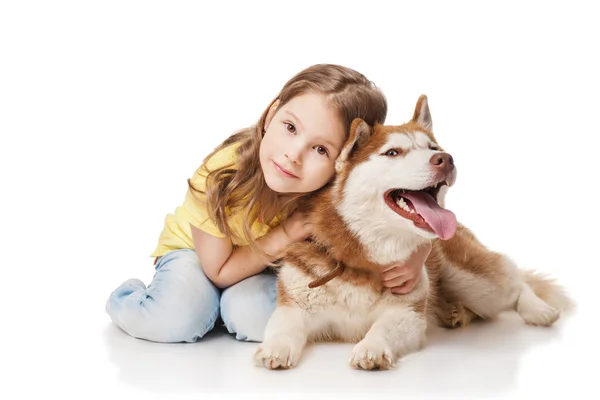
275 242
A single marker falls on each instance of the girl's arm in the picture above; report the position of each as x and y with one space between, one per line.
225 266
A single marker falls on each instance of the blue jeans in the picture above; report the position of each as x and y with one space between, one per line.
182 304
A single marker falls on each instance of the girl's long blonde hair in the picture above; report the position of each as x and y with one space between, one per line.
241 187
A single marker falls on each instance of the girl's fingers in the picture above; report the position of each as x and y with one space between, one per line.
393 273
406 288
395 282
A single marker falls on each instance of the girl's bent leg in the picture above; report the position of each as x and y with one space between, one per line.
180 305
247 306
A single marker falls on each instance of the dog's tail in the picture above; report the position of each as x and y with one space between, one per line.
548 290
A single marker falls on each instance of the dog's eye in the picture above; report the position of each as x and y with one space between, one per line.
433 147
392 153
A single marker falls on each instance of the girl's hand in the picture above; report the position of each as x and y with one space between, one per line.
403 278
297 227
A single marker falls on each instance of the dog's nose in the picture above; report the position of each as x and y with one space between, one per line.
442 162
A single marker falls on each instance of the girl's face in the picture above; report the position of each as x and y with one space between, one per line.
301 142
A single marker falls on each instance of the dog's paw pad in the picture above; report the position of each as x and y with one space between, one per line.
459 317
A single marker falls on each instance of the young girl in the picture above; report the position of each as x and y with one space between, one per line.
213 254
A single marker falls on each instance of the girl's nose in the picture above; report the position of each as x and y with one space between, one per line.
294 154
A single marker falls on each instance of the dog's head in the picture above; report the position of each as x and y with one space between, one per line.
392 180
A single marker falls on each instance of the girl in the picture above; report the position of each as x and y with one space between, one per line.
238 215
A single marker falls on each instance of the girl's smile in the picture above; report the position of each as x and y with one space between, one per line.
284 171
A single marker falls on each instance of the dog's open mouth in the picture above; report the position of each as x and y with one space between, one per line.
422 208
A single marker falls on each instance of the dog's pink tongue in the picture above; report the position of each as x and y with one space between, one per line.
442 221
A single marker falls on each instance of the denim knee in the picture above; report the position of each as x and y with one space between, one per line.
247 306
180 305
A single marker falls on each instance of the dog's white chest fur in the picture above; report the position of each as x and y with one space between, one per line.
339 309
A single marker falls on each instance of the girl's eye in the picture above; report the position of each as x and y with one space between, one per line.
322 150
392 153
291 128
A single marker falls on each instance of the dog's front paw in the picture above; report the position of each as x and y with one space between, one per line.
276 355
372 355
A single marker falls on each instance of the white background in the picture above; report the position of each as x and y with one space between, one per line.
107 107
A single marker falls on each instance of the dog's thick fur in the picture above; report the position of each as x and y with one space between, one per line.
358 233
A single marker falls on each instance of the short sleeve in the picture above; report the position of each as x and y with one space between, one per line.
195 202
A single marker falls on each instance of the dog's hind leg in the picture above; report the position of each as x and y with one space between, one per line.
488 283
502 288
285 338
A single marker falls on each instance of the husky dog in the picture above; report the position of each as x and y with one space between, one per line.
387 199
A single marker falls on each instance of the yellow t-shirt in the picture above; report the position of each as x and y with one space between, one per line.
177 234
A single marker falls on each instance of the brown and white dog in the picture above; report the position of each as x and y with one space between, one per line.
386 200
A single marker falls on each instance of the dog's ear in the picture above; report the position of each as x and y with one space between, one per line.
422 115
360 132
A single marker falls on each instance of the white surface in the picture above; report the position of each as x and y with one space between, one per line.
94 98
